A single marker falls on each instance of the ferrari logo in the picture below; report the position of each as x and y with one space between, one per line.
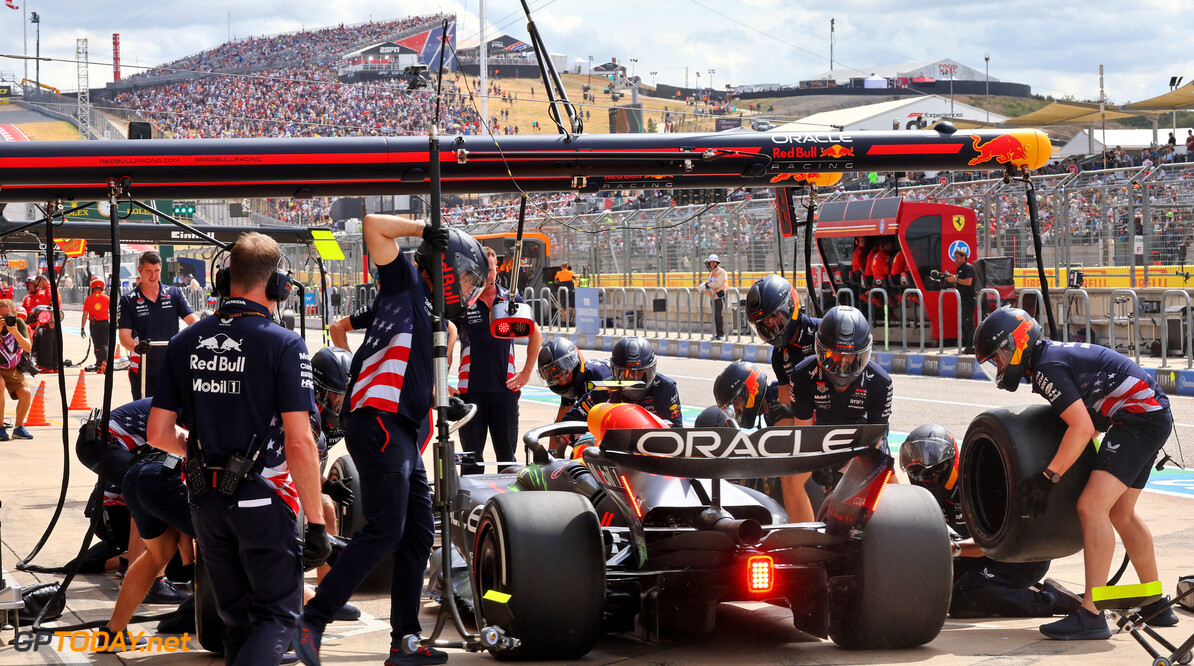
959 222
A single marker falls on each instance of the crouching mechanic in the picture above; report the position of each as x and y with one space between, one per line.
841 385
742 389
567 373
982 586
773 307
1092 389
244 385
633 360
388 398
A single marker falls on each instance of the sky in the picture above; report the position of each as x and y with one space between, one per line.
1055 47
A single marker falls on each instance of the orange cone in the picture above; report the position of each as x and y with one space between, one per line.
37 411
79 399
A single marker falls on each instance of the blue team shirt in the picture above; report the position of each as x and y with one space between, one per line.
390 372
486 362
232 376
867 400
1106 381
800 346
661 398
596 370
152 320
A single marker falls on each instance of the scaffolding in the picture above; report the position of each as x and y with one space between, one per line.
83 112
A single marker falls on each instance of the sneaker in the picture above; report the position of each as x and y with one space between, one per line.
424 655
1081 625
164 592
19 432
4 434
1064 601
117 641
306 642
347 613
1166 618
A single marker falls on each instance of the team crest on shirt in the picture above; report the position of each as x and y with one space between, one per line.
219 343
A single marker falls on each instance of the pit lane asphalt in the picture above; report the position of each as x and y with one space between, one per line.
746 632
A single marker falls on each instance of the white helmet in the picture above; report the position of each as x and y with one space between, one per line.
712 258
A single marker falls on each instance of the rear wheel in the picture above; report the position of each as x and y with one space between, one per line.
351 518
539 575
903 582
209 628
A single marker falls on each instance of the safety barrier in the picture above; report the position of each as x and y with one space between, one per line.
1065 313
982 293
920 312
1187 327
870 312
941 319
849 292
655 297
1040 300
731 312
1132 317
688 311
567 305
640 316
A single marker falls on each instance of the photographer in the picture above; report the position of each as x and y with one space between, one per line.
715 285
14 344
964 282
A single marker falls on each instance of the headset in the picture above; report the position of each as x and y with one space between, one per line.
277 289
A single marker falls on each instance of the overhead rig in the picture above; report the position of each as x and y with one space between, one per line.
41 171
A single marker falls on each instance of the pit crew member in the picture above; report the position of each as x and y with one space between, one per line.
487 377
148 313
982 586
388 398
773 308
568 373
1092 389
633 359
244 385
96 310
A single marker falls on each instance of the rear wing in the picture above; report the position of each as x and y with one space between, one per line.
727 453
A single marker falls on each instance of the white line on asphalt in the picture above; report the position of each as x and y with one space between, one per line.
943 402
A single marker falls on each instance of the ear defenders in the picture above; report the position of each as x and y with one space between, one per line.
277 289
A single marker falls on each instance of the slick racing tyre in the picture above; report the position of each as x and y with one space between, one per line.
885 607
1003 447
349 519
209 628
539 574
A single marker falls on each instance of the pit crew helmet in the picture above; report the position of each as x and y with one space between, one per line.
771 304
633 359
96 283
843 344
559 361
741 389
465 264
330 368
715 417
930 458
1003 345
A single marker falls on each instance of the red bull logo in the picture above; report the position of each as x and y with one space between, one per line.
752 388
837 151
1003 149
794 176
795 153
1020 337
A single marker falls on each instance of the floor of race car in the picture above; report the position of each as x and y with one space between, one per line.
746 632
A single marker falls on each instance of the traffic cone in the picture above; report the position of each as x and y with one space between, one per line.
37 411
79 399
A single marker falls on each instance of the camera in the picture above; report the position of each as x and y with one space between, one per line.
10 320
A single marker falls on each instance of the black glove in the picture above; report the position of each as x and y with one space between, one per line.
436 237
317 547
457 408
142 347
338 491
1035 491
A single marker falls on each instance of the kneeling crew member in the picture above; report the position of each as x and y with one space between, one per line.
743 389
633 359
773 307
1092 389
388 399
842 385
982 586
251 458
568 373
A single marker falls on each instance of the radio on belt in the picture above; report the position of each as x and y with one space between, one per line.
509 320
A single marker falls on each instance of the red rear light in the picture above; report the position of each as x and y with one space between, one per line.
760 574
638 510
876 491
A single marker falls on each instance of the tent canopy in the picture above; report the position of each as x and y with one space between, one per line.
1176 100
1068 113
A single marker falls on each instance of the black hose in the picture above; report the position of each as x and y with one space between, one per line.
1034 220
808 249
